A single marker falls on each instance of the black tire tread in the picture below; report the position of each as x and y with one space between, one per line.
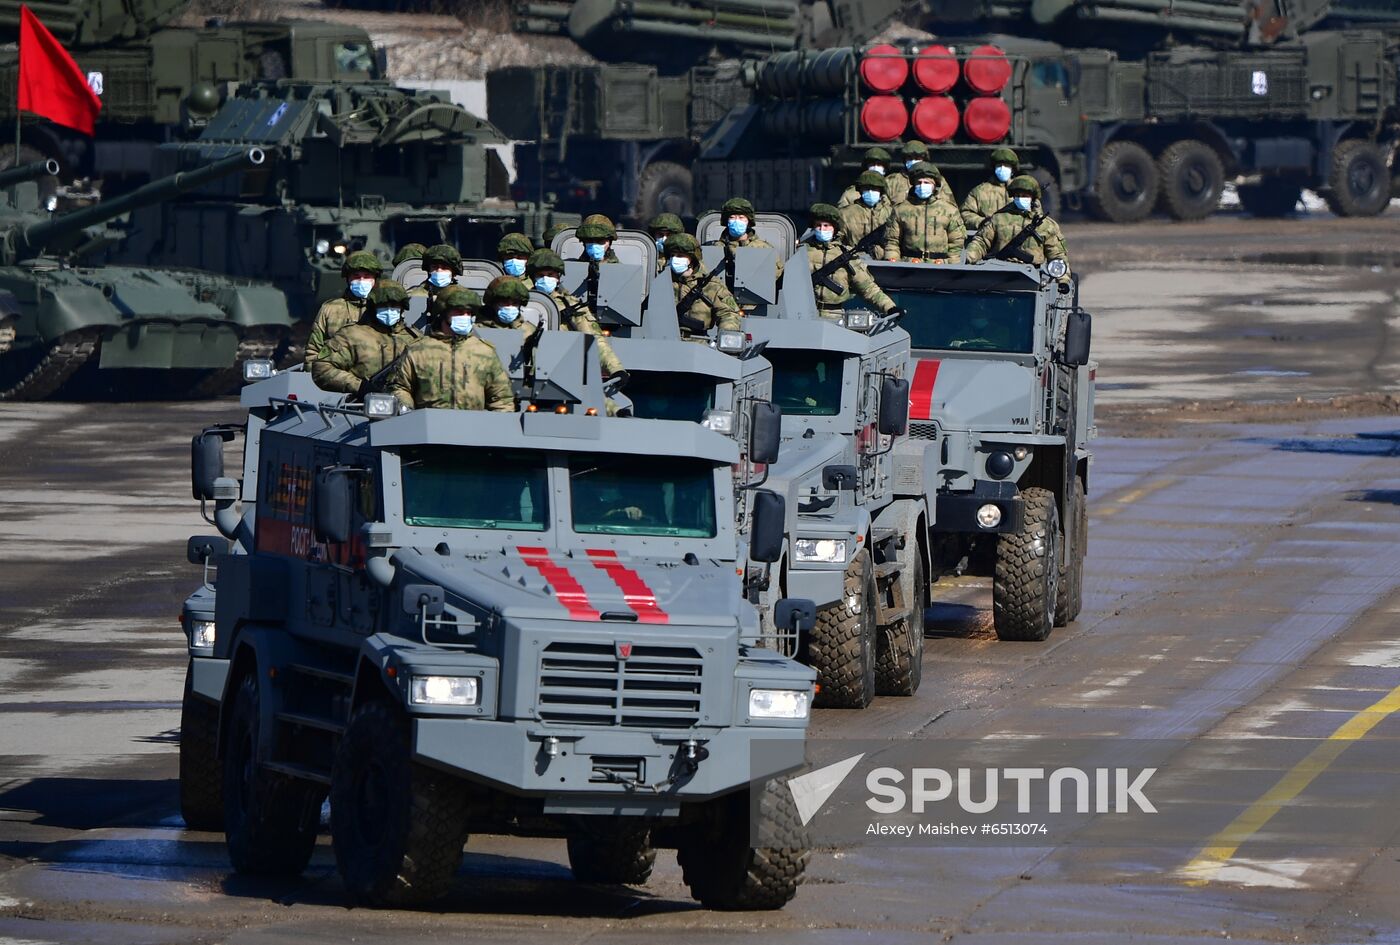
724 872
840 647
1338 195
1070 599
1019 583
899 659
1103 203
618 853
1172 164
201 771
649 184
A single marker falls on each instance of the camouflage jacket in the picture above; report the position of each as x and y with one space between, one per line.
852 276
858 221
608 257
461 372
520 324
749 241
331 317
713 305
575 315
925 230
358 352
1044 243
982 202
896 190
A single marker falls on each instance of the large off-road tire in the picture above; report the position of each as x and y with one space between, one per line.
1272 197
615 851
841 647
724 871
1125 188
664 187
398 827
201 773
1049 192
1358 181
1070 598
270 820
1192 178
899 664
1027 572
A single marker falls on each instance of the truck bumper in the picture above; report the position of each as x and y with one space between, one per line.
957 511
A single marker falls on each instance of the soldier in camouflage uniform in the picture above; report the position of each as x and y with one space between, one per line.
545 268
602 230
661 226
1020 232
505 303
360 271
699 309
443 264
554 230
408 251
513 253
876 161
452 367
990 196
850 277
362 350
738 216
922 229
869 214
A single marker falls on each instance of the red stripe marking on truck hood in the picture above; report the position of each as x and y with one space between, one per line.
566 587
635 591
921 390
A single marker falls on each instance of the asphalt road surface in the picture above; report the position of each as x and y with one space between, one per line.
1243 582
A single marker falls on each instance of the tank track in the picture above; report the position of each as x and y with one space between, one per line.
294 352
62 360
257 343
8 334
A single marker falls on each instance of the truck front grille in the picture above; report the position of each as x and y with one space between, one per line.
923 431
588 684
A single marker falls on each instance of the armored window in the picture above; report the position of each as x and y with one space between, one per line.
969 321
461 487
1051 74
642 495
353 57
807 383
660 395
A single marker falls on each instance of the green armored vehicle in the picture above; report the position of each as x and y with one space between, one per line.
160 83
522 622
57 314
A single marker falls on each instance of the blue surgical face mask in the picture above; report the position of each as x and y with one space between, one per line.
359 288
439 277
1022 203
877 168
463 324
738 226
514 267
389 316
870 197
547 284
923 191
909 164
824 234
508 313
595 251
661 244
1002 172
680 265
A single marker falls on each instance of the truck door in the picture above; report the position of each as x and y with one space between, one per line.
1052 113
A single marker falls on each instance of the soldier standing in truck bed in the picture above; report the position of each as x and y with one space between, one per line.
664 225
837 280
924 229
738 215
990 196
360 270
876 161
360 351
1020 232
513 253
452 367
702 301
597 233
545 267
505 305
443 264
868 215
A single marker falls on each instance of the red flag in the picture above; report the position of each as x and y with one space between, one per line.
50 82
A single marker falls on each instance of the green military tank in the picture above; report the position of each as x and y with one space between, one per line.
57 315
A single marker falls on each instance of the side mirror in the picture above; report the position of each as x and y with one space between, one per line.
838 477
795 614
894 406
201 548
207 461
765 433
1079 329
767 527
424 597
335 501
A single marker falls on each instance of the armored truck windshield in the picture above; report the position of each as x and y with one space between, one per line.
1002 322
464 487
807 383
616 495
663 396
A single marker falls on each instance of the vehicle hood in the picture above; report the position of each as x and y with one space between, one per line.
973 394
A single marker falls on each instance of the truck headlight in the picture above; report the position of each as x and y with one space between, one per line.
859 321
826 550
202 633
730 341
779 704
1056 268
444 690
379 406
256 369
989 516
721 421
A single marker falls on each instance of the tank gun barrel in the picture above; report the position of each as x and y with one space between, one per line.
27 172
30 240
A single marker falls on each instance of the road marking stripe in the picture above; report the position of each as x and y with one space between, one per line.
1110 509
1222 847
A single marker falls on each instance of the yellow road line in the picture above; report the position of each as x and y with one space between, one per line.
1128 498
1223 846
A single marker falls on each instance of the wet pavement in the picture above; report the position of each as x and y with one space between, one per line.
1243 582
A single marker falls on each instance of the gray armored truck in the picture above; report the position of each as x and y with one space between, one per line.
1001 411
455 621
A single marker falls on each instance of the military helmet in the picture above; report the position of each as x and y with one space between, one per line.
737 205
869 180
542 259
554 230
409 251
594 233
455 296
1003 156
507 289
682 244
362 259
1024 184
914 149
877 155
514 244
388 292
925 169
442 256
599 219
666 223
824 212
